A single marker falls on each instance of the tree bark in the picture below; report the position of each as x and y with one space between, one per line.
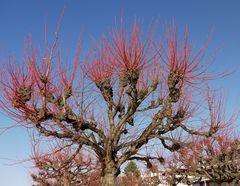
109 174
233 183
66 182
109 179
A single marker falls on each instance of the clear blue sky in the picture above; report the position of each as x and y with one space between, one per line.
90 19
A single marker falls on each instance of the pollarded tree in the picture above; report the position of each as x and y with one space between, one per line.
63 166
214 158
139 93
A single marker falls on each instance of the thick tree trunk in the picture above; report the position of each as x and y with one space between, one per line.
109 179
66 182
233 183
109 174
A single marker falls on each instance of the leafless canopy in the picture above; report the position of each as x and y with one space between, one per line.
130 97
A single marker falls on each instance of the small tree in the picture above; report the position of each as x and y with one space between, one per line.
64 167
132 169
132 175
138 92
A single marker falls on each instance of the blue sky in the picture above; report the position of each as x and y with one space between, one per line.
89 19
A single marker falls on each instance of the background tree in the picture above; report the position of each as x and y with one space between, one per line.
139 94
65 166
132 175
132 169
214 158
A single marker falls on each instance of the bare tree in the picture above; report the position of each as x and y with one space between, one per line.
138 94
216 159
65 166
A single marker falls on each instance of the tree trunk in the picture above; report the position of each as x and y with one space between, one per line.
109 179
233 183
66 182
109 174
